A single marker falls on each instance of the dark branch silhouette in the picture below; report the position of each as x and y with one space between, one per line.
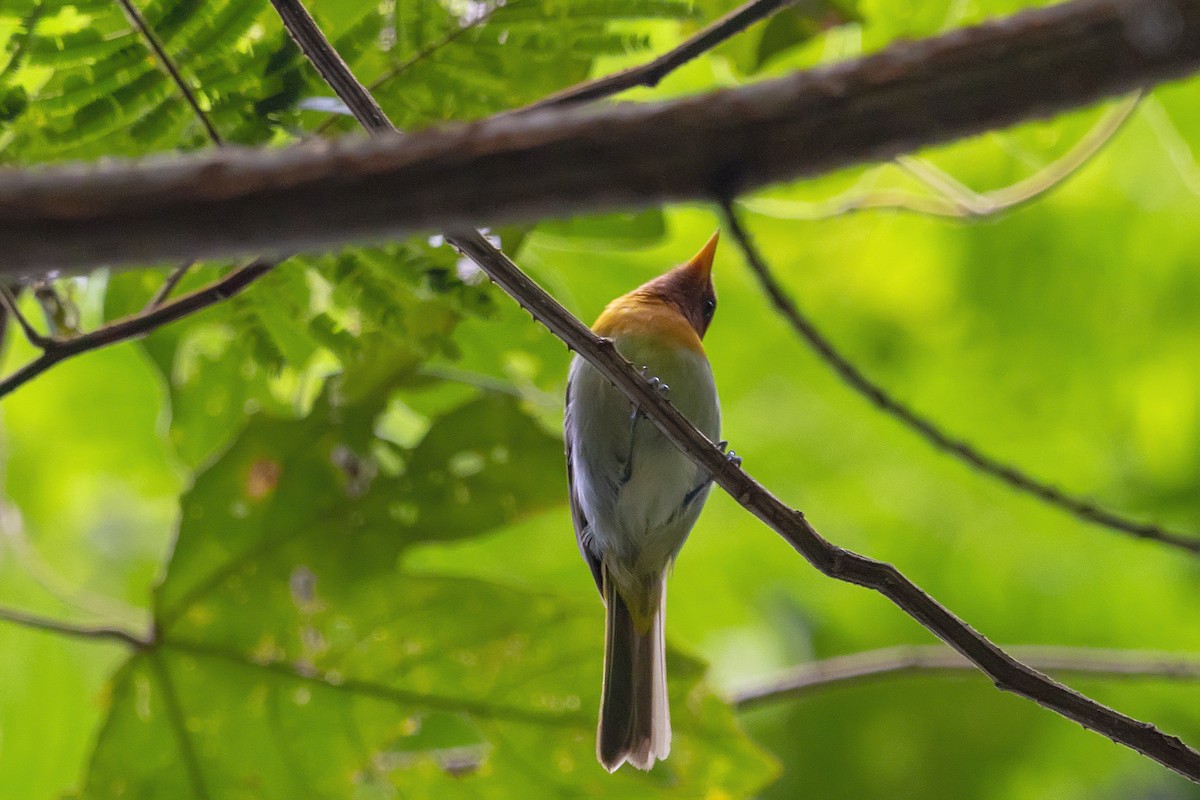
652 72
1011 476
561 161
168 65
829 559
56 350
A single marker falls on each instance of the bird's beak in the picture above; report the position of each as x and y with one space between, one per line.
701 263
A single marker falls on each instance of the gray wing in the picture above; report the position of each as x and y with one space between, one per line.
582 531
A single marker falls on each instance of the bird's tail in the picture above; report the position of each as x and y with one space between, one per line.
635 722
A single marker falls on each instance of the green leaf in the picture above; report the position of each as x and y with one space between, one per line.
295 658
798 24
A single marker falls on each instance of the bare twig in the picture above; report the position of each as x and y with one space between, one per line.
952 198
983 204
560 161
27 620
1011 476
831 560
139 324
169 284
168 65
652 72
425 53
8 301
873 665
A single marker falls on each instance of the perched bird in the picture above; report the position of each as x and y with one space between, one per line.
635 496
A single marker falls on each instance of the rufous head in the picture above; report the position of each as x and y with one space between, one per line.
689 287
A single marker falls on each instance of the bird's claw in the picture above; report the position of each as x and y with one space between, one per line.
655 382
730 456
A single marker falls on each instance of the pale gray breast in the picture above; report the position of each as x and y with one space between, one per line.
643 519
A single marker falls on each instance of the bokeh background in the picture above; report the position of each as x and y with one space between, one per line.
341 495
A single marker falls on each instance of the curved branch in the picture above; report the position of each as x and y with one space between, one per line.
559 161
951 198
928 430
887 662
56 350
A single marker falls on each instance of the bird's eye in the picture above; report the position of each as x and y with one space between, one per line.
710 306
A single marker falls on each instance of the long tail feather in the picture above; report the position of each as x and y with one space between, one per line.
635 722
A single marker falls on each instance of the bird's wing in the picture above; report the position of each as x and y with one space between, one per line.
582 534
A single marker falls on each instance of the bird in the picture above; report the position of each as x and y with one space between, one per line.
635 496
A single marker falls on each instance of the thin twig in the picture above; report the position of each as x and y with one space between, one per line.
652 72
169 284
952 198
1011 476
983 204
9 303
829 559
164 60
727 142
101 632
420 56
874 665
139 324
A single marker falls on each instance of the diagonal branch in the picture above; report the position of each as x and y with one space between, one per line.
928 430
887 662
424 53
56 350
831 560
168 65
8 304
652 72
562 161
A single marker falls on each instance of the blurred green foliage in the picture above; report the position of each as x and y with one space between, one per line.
338 499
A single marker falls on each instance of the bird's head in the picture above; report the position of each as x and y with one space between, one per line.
689 288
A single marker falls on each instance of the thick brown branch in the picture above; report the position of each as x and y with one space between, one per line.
560 161
1013 477
650 73
831 560
873 665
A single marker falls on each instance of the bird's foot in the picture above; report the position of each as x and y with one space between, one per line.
730 457
655 382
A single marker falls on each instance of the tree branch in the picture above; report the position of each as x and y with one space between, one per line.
1011 476
56 350
831 560
36 622
560 161
8 303
652 72
139 22
874 665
